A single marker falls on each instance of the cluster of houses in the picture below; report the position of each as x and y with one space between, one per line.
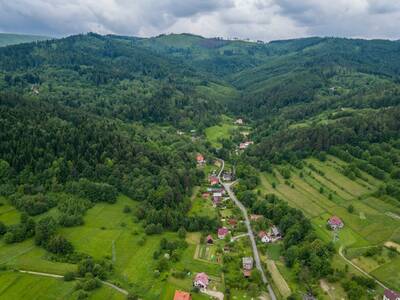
270 236
335 223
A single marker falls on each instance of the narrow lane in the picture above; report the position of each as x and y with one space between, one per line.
257 260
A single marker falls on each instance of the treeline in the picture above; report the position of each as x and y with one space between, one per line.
294 143
47 148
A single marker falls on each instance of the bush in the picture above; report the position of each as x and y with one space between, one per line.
69 276
127 209
3 228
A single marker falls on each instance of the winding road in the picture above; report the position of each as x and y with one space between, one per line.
256 255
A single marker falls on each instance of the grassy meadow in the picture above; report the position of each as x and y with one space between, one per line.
321 190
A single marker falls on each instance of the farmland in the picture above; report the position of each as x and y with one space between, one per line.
321 190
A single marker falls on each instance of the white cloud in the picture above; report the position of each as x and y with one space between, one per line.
255 19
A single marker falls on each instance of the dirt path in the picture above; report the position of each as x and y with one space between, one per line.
239 236
214 294
359 269
122 291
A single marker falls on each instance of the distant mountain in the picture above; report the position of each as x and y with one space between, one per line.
7 39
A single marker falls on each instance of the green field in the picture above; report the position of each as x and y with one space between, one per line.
323 191
221 131
15 285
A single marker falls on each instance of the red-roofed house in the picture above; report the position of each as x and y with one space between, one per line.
201 280
205 195
222 232
247 273
200 159
264 237
232 222
214 180
179 295
391 295
335 223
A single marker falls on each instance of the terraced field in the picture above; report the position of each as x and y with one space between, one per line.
321 190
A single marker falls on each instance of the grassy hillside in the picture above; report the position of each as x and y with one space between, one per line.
7 39
321 190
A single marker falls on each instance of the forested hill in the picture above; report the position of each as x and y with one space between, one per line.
7 39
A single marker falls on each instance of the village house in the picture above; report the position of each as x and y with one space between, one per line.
217 198
247 273
222 232
232 222
214 180
239 121
247 263
244 145
200 159
179 295
264 237
391 295
209 239
201 281
227 176
205 195
335 223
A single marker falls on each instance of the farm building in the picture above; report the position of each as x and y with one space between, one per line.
335 223
209 239
275 231
222 232
201 280
247 263
179 295
200 159
255 217
227 176
391 295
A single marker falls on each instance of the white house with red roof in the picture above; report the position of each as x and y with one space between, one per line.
391 295
335 222
222 232
264 237
201 280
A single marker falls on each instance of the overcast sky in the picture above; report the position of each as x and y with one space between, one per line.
255 19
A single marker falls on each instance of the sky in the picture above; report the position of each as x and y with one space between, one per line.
254 19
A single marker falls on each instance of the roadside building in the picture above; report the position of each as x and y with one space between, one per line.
201 280
254 217
391 295
200 159
264 237
209 239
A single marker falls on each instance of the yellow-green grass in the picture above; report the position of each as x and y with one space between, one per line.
217 132
203 207
15 285
174 284
389 273
27 256
334 175
9 214
278 279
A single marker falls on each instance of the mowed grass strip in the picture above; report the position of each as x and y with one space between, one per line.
278 279
338 178
217 132
389 273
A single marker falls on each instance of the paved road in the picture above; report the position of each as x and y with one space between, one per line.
257 260
359 269
60 276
